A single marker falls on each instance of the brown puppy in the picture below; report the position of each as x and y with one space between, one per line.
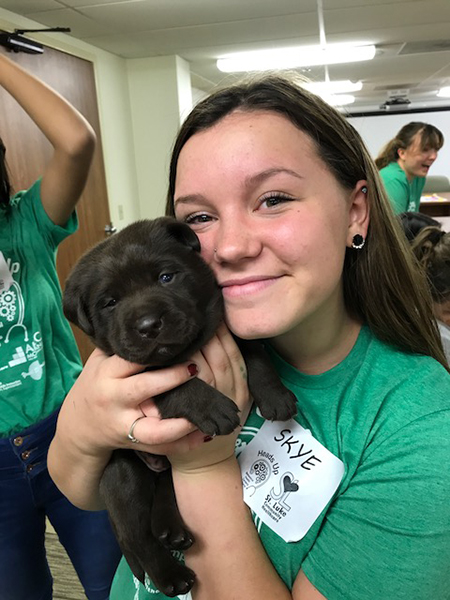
147 295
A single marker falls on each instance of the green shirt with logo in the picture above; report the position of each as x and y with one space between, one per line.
386 531
39 359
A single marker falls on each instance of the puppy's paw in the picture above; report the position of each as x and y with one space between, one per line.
280 407
174 539
222 418
179 581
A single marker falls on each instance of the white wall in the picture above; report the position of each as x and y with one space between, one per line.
376 131
160 95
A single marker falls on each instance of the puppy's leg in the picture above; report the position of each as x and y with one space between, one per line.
208 409
273 399
128 489
167 525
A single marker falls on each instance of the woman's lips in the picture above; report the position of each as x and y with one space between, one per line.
245 287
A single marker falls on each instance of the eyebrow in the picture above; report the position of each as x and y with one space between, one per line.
260 177
249 182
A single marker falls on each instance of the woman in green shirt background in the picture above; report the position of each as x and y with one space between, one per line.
405 161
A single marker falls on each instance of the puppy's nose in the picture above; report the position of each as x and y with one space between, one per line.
149 326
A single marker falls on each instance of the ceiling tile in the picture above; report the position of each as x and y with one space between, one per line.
80 25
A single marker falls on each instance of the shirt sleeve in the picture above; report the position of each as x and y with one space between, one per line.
388 534
29 205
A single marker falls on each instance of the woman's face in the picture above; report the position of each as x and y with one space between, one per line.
416 160
272 220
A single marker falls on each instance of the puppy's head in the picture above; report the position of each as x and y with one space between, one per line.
145 294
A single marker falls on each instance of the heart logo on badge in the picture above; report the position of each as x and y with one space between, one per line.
289 485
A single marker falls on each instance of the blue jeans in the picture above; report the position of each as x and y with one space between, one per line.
27 496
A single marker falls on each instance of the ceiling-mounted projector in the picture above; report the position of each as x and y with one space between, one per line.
18 43
396 104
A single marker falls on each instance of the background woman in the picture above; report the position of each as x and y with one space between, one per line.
39 360
405 161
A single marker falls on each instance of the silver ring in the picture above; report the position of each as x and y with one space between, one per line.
130 433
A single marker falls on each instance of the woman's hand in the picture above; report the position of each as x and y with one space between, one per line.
109 395
222 366
96 418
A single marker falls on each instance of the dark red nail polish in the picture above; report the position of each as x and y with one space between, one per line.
193 369
207 438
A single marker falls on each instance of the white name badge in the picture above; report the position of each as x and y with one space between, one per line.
288 478
6 279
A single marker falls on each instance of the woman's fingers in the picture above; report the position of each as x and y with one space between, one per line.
124 391
152 383
227 365
164 436
130 382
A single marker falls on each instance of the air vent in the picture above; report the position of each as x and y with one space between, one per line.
426 46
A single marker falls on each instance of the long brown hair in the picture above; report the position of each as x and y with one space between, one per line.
5 186
382 285
430 136
432 249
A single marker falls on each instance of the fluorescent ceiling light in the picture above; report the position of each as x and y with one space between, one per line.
333 87
290 58
444 92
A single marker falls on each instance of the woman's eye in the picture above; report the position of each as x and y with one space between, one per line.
197 219
275 199
166 277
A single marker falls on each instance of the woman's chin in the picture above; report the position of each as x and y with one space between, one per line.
252 330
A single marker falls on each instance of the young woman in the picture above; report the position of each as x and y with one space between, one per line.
39 360
292 218
405 161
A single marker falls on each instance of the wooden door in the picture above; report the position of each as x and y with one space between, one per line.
27 151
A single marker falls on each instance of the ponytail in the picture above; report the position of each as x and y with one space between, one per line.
389 153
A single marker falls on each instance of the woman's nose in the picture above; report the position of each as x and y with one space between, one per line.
235 243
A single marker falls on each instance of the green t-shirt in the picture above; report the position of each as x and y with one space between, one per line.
386 532
39 359
403 194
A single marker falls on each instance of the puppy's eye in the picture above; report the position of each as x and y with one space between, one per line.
166 277
110 303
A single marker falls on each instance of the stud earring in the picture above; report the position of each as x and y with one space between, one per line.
364 189
358 241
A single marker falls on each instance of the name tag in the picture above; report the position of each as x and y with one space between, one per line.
288 478
6 279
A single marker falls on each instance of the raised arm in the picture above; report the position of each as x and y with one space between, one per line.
71 136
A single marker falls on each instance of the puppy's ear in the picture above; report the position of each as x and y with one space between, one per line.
75 307
183 233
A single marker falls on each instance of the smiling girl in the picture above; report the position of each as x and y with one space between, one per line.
350 500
